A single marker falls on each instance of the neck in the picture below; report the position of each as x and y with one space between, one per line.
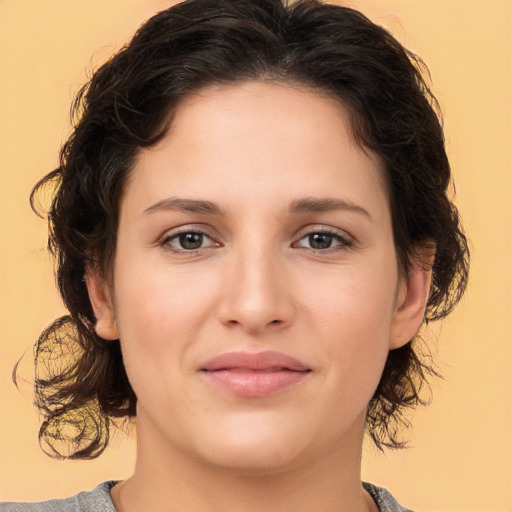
172 480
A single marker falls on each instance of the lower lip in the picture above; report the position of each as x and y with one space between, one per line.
255 384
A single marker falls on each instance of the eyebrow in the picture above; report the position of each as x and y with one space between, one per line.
297 206
312 204
185 205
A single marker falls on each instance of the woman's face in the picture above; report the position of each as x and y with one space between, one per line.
255 291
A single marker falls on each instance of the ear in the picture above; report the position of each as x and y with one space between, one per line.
99 295
412 297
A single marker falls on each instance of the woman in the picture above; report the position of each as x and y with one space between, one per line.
250 222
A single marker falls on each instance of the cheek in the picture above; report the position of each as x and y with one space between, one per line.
160 300
353 315
159 316
357 305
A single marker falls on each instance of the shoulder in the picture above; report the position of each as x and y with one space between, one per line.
384 499
87 501
99 499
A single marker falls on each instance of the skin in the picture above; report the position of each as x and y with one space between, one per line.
257 282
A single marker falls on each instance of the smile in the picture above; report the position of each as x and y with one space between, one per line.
254 375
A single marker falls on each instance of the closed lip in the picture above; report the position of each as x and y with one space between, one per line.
254 374
255 361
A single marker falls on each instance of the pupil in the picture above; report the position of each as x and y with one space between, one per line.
320 241
191 240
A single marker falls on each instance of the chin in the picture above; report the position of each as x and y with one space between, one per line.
252 460
255 448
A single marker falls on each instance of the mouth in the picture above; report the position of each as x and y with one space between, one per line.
254 374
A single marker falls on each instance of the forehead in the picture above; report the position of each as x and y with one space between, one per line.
254 137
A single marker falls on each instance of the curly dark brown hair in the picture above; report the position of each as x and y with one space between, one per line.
81 384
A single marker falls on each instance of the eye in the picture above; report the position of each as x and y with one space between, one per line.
188 241
323 241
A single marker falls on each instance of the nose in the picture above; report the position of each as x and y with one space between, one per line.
257 296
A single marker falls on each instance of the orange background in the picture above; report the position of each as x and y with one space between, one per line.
461 445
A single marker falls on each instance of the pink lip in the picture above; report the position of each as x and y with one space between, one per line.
254 374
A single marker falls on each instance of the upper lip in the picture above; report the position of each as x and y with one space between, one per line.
254 361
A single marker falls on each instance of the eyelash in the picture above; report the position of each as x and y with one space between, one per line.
344 242
167 240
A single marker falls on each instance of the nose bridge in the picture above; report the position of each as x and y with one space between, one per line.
256 297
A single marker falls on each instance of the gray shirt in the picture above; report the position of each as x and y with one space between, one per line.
98 500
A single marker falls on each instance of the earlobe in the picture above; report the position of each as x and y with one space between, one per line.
411 302
99 295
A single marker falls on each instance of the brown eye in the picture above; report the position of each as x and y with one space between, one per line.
190 241
320 240
324 241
